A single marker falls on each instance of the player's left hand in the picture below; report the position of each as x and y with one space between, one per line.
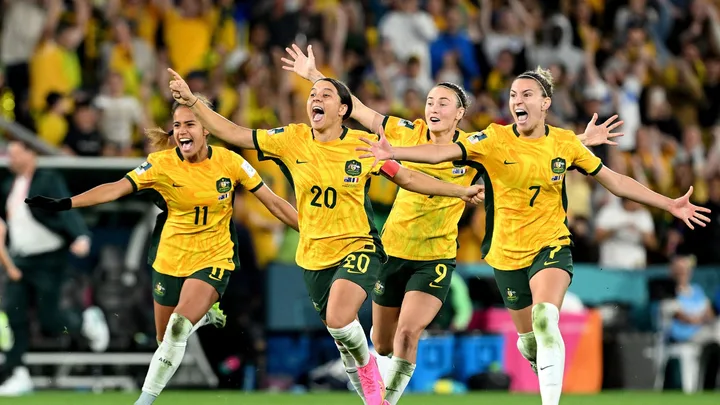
478 197
601 134
81 246
380 150
683 209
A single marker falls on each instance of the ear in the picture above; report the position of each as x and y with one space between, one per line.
460 114
206 132
342 110
546 104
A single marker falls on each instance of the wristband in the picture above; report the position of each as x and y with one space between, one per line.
390 168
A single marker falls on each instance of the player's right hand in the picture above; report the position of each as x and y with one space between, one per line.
49 204
180 89
475 194
380 150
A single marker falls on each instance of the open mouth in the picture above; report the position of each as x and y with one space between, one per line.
186 144
318 114
522 116
434 119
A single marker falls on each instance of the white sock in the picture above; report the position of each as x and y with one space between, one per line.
527 345
398 377
550 352
352 336
202 322
350 369
167 358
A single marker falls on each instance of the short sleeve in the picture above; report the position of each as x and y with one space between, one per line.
273 143
584 160
145 175
245 174
399 131
476 146
646 223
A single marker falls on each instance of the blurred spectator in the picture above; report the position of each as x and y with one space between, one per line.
624 231
120 114
84 138
52 125
130 56
454 42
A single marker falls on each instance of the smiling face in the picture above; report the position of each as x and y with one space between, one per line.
189 135
324 107
528 104
442 112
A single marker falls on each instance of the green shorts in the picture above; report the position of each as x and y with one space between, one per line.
166 289
514 285
361 267
399 276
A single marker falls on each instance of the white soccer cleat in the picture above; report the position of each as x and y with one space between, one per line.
216 316
7 339
18 384
95 328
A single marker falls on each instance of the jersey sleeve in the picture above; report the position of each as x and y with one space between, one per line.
399 131
273 143
144 176
478 145
584 161
245 174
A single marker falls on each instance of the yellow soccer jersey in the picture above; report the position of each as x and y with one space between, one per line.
331 184
422 227
525 196
195 229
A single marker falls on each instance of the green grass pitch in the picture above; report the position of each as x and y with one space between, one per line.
234 398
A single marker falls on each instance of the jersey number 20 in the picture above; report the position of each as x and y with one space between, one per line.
329 197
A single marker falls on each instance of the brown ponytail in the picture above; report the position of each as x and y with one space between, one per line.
161 140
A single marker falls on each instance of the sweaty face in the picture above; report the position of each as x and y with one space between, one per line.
189 135
323 106
526 104
441 109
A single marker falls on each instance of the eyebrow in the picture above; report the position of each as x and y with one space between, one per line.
186 122
440 98
325 89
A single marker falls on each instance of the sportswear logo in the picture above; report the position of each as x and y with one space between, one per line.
543 368
433 285
298 161
549 263
176 185
509 163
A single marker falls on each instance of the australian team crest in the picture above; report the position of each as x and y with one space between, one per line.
379 288
223 185
353 167
511 295
159 289
558 165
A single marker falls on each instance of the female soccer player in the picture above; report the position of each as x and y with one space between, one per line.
527 241
194 246
420 235
339 249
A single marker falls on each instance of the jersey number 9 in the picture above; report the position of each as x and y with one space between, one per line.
329 197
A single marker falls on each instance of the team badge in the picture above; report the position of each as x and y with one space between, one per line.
159 289
476 137
316 306
558 165
275 131
223 185
353 168
379 288
511 295
143 168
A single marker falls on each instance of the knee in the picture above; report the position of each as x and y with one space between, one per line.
178 329
337 320
545 318
408 336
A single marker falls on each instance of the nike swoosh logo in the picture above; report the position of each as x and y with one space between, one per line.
300 162
176 185
435 286
509 163
549 263
543 368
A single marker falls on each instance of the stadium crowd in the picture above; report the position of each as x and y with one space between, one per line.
87 77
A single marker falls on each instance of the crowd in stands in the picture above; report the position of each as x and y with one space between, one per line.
88 76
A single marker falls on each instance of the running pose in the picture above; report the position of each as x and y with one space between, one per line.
420 235
340 250
527 241
194 247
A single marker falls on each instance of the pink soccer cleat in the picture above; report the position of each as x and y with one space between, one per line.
372 383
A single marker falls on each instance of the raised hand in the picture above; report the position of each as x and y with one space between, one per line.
380 150
180 90
601 134
683 209
301 64
49 204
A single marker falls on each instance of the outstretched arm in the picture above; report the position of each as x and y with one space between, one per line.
279 207
600 134
382 150
101 194
304 66
423 184
210 120
626 187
